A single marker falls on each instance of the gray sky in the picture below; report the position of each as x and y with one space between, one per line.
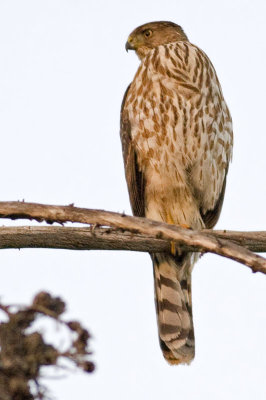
63 73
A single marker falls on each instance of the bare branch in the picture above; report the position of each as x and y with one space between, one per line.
140 234
96 238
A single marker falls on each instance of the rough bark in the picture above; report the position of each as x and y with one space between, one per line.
123 233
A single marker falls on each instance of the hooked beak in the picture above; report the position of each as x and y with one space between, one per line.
129 44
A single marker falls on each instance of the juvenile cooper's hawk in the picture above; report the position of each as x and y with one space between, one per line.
177 139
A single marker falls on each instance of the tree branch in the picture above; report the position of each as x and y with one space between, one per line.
95 238
127 233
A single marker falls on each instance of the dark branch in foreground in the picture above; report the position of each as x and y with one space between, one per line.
124 233
24 351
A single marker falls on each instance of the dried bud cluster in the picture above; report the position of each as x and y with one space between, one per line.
22 354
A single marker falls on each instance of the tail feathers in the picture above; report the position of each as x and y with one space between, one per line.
172 279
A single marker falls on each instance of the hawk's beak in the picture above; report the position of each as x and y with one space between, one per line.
129 44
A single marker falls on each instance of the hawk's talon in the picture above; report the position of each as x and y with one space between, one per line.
185 226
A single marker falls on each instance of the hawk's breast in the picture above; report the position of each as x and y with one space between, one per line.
180 124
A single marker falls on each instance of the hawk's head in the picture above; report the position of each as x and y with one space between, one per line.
153 34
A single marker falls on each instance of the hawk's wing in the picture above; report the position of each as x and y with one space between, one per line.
134 177
215 129
210 217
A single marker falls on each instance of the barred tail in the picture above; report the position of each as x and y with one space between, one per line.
172 280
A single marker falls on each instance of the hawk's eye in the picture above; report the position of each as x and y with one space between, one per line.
148 33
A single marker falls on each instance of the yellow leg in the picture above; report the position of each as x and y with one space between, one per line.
170 220
173 248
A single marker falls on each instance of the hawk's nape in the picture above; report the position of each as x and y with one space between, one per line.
177 139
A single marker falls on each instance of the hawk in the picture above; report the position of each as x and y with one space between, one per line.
176 133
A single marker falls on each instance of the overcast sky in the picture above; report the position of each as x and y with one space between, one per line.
63 72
